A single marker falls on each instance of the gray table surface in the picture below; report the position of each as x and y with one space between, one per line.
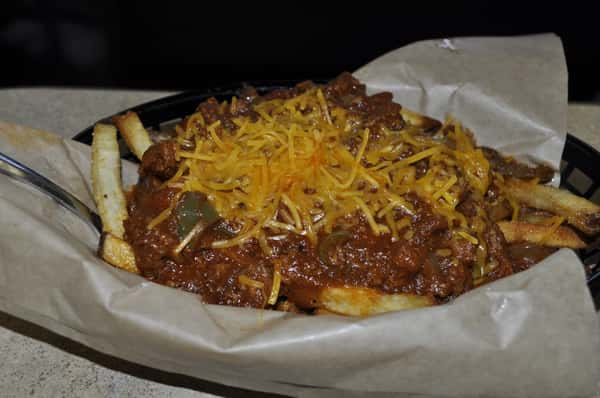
35 362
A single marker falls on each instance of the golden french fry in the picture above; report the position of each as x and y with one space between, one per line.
421 121
535 217
540 234
117 252
322 311
364 302
106 180
131 128
581 213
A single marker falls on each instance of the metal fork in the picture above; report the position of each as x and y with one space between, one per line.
18 171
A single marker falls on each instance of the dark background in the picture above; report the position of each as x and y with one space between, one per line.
175 46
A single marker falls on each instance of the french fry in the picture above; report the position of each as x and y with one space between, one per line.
421 121
364 302
540 234
248 176
117 252
135 135
322 311
579 212
106 180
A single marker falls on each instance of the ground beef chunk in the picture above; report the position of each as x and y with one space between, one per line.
497 250
375 111
511 168
210 110
159 160
248 93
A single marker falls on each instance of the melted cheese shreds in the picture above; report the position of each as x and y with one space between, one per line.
396 202
468 237
193 119
361 151
389 219
165 213
197 229
368 215
421 155
183 167
244 280
293 211
444 189
294 161
515 209
208 158
323 104
275 287
215 136
450 200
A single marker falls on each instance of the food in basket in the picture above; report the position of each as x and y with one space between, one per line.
322 199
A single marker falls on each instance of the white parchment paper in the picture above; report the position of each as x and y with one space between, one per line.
534 334
511 91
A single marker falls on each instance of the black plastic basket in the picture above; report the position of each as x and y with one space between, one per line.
580 173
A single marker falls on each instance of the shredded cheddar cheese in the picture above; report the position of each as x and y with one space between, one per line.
165 213
275 287
244 280
292 170
468 237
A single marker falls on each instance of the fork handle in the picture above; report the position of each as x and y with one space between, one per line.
18 171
